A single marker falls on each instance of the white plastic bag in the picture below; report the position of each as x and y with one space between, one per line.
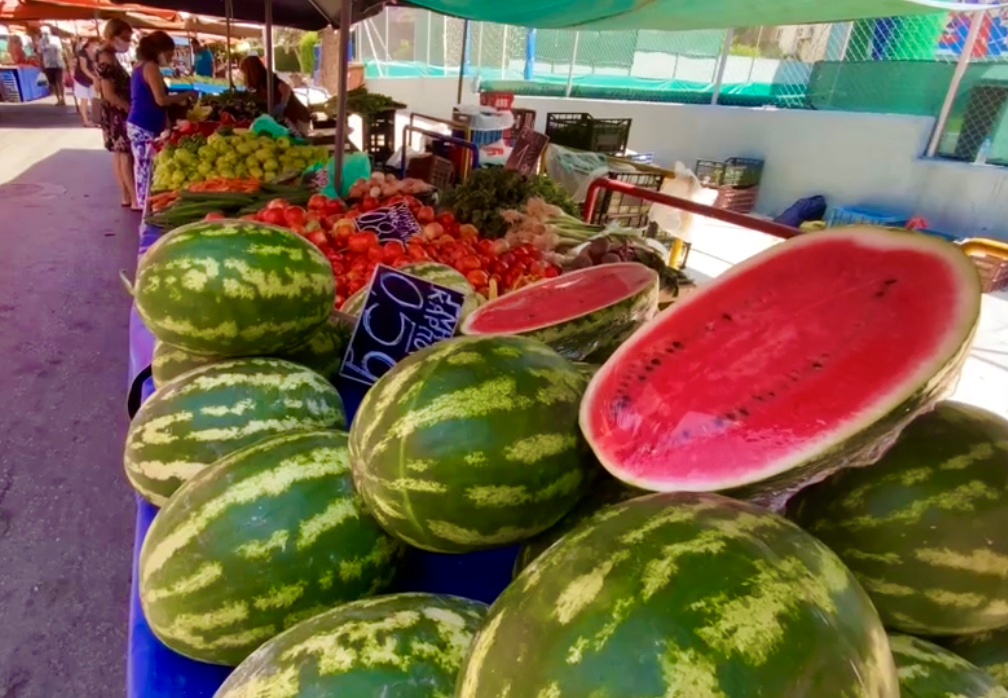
574 171
684 185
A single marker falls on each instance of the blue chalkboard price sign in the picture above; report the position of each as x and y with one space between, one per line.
390 222
403 313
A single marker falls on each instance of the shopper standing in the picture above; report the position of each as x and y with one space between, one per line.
84 80
148 115
53 64
203 62
114 88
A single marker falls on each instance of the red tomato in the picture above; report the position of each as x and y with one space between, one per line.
278 203
299 229
393 250
401 262
469 263
376 254
425 215
340 300
274 215
368 203
318 238
317 202
362 242
418 254
251 217
551 272
444 240
478 278
468 232
333 207
294 215
214 216
447 219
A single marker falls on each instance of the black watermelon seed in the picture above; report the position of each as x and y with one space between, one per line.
677 345
889 282
758 398
816 365
771 394
730 416
743 411
655 362
879 294
727 316
642 378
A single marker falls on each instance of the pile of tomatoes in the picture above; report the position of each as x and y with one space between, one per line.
491 266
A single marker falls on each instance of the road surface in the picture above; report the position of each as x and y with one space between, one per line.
66 511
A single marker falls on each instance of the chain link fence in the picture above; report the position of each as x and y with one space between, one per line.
902 65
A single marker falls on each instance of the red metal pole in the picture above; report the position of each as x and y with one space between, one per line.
739 219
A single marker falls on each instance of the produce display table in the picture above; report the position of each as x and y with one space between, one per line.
201 87
154 671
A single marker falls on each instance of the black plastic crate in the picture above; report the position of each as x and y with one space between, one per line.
733 172
378 134
627 210
584 132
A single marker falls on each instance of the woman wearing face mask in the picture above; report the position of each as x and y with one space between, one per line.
148 115
114 89
287 105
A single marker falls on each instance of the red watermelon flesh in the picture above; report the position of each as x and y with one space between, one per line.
561 298
787 363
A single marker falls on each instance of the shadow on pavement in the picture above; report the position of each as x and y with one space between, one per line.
41 114
66 511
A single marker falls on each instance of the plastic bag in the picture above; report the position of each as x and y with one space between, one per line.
684 185
355 166
267 125
574 171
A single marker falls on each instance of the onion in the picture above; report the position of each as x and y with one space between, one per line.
390 178
377 178
375 192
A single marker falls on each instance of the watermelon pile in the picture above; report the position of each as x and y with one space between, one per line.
759 491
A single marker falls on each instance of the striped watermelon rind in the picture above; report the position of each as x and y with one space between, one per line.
606 491
233 288
594 336
928 671
682 595
436 273
322 353
402 645
211 411
988 650
268 536
472 443
925 529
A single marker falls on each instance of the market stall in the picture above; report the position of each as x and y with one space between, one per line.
463 465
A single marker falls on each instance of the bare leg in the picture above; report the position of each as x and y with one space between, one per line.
84 108
128 181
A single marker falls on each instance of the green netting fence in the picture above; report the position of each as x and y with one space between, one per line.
900 65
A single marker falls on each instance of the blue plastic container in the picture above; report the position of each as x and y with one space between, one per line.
855 215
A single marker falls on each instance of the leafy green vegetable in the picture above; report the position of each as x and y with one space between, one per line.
488 191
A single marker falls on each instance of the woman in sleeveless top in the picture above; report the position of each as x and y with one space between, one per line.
84 79
114 90
287 106
148 115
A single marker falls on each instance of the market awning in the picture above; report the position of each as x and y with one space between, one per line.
300 14
672 15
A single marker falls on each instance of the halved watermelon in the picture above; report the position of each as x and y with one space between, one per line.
588 312
807 357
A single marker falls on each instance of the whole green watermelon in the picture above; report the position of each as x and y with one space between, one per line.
472 443
322 353
608 490
212 411
925 529
268 536
396 646
233 288
691 595
928 671
988 650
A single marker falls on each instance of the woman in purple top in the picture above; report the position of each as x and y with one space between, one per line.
149 99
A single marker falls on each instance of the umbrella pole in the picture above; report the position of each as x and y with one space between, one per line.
346 19
463 61
228 11
268 41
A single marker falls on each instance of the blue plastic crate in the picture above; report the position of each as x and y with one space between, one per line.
480 137
853 215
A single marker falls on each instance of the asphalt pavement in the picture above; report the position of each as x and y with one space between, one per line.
66 510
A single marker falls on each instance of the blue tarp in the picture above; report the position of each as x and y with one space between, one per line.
154 671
